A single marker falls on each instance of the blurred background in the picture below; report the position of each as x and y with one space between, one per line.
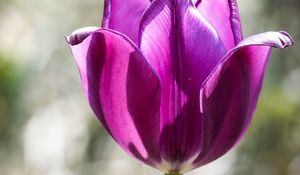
47 127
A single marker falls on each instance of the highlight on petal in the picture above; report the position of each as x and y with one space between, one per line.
124 16
122 90
279 40
229 95
224 16
80 34
181 47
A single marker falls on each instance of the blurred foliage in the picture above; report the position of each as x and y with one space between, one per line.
10 81
270 144
11 121
284 15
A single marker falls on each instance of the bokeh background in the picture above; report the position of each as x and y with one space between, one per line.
47 127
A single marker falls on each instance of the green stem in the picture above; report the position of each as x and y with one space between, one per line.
173 173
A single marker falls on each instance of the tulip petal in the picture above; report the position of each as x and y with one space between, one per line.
171 34
224 16
122 90
228 97
124 16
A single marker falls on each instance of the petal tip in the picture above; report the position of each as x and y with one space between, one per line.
285 39
80 34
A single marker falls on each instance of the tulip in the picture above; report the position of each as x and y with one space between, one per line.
173 81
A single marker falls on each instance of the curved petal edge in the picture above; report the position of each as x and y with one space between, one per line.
229 95
122 90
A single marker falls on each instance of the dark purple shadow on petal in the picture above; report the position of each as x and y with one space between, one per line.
219 112
94 66
188 128
197 2
137 101
140 116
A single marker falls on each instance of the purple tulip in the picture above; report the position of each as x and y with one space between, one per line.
173 81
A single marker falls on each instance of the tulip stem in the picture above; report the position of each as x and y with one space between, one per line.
173 173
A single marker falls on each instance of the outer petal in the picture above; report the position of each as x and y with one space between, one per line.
124 16
171 34
122 90
229 96
224 16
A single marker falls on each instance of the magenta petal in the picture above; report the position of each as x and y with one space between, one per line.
181 47
229 96
224 16
124 16
122 90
